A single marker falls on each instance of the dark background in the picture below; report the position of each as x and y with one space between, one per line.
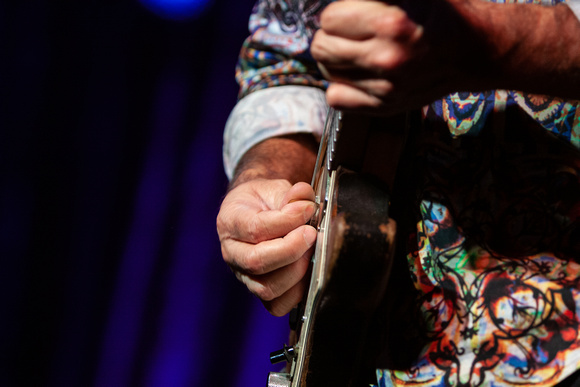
111 122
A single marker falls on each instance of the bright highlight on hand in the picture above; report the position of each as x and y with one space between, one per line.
265 239
380 60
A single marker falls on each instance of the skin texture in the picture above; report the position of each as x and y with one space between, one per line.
384 59
262 220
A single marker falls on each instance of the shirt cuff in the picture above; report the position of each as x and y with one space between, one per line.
269 113
575 7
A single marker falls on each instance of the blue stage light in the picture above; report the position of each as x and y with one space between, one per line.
176 9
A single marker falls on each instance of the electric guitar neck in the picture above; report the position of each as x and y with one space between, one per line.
355 171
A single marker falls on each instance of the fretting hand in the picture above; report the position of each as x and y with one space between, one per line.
265 239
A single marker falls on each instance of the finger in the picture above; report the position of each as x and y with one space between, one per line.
338 51
249 225
365 81
367 19
269 255
349 20
344 75
380 88
371 58
284 304
299 191
346 97
272 285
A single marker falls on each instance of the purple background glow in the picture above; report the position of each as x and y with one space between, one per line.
110 181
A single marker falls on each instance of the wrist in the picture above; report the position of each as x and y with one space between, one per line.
290 157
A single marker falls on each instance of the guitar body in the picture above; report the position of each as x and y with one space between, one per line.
354 252
356 277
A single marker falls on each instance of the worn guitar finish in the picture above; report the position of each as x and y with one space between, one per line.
353 255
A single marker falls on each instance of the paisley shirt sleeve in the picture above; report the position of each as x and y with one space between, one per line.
272 112
277 53
575 7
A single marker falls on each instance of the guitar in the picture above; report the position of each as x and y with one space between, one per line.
354 172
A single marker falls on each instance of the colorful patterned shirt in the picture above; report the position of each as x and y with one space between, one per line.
493 257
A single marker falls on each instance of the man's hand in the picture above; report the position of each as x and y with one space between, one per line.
265 239
262 220
383 59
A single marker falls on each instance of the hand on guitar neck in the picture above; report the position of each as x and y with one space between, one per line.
384 59
262 221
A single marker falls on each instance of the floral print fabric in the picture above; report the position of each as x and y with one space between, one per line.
497 241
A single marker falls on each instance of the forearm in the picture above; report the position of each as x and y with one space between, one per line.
530 48
291 157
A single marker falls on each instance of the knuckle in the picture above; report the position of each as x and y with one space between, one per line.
255 229
276 309
264 292
283 304
387 59
281 185
254 263
401 25
220 225
333 95
382 88
223 218
318 48
328 15
392 23
225 255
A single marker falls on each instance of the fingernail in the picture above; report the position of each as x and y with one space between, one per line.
309 212
295 208
309 235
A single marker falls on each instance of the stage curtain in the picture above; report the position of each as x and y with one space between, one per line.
110 181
